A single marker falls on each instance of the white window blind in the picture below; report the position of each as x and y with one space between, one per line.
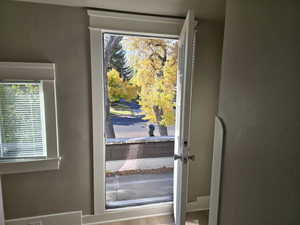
22 132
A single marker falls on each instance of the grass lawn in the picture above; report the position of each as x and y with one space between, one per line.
119 111
123 110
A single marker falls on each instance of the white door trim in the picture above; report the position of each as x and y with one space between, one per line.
100 21
134 23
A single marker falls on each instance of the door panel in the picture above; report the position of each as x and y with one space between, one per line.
183 111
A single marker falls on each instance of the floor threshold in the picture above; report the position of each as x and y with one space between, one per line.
138 202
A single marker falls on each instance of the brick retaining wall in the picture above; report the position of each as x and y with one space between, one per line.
139 150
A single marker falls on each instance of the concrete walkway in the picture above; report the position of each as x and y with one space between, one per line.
138 189
139 164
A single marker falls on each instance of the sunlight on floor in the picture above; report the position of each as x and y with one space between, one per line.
192 222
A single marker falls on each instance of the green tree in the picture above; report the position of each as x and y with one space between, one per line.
114 58
118 60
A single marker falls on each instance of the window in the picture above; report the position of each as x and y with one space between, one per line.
22 125
28 131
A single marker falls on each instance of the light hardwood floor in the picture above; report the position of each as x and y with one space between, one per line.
196 218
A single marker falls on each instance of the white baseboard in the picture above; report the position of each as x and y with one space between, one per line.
68 218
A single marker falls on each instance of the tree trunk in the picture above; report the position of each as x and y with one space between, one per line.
109 129
163 131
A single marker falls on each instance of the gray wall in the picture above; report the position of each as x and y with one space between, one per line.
39 33
204 105
259 102
44 33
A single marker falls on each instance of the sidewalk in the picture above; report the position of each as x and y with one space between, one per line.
139 164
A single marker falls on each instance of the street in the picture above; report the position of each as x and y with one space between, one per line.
134 126
137 189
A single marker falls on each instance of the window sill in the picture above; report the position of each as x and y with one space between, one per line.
11 166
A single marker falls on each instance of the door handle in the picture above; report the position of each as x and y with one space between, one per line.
178 157
190 157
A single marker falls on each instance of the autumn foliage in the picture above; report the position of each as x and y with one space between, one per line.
153 80
155 63
119 88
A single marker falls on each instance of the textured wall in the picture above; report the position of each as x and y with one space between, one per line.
259 102
204 105
39 33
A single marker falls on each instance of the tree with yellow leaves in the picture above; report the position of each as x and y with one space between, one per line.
155 65
119 88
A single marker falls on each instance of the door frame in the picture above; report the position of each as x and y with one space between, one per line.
114 22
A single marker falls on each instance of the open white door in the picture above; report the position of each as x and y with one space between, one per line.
183 111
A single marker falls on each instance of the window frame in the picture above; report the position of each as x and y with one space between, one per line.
115 22
45 73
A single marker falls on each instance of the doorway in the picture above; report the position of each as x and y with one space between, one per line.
151 27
